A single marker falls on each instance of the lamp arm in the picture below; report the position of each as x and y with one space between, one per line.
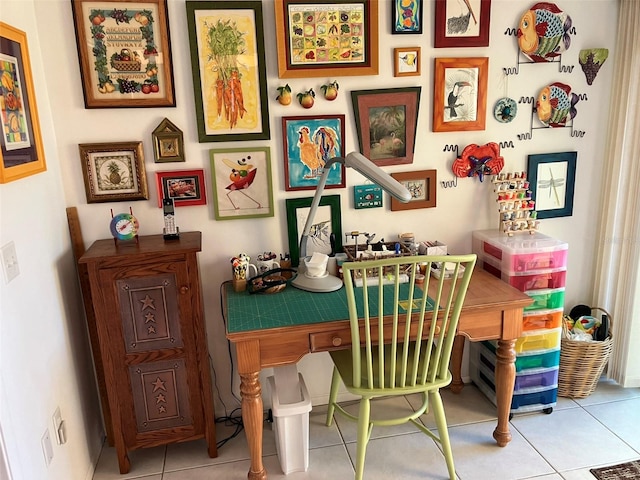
314 205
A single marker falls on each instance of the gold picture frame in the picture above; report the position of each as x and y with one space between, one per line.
113 172
312 40
168 143
406 62
22 152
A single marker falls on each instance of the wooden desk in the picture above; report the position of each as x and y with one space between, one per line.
492 310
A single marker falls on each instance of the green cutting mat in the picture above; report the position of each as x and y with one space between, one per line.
293 306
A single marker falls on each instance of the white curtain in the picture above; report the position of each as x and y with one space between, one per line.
618 267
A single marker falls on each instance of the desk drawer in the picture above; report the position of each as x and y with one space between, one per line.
326 341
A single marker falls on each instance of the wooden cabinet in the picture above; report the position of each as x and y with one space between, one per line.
149 321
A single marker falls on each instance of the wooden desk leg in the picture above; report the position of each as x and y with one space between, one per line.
251 392
456 364
505 381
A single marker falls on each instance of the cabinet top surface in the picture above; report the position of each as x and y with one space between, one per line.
146 244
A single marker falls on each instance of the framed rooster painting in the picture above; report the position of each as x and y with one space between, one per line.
309 142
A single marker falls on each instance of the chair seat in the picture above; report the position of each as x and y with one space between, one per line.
343 361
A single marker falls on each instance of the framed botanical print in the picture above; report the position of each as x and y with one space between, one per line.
552 178
229 74
125 53
318 38
422 186
184 187
22 153
462 24
460 94
241 180
386 121
327 225
309 143
114 172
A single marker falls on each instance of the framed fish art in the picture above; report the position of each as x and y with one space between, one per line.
462 23
543 32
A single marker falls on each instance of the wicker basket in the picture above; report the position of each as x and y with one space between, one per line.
582 363
126 65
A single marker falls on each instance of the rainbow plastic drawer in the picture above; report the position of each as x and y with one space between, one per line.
542 319
538 340
546 299
542 280
525 360
521 253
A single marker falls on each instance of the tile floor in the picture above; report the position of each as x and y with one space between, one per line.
602 429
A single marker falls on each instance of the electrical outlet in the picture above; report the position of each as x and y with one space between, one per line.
9 262
47 447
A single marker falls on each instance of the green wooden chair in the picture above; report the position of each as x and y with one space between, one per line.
386 321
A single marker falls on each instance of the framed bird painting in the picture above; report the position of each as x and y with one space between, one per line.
309 143
460 94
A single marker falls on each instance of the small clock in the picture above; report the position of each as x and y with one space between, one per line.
124 226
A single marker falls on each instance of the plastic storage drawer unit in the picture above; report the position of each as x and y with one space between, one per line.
541 319
539 280
546 299
538 340
521 253
525 360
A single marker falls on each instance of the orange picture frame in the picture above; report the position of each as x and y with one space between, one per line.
22 152
422 186
460 94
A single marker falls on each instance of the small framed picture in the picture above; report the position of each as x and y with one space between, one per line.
407 62
185 187
406 16
241 179
462 24
552 178
168 143
114 172
422 186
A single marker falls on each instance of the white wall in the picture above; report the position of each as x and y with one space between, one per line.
44 346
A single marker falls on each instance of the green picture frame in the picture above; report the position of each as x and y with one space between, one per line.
230 86
328 220
241 180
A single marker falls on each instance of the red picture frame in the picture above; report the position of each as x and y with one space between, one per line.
186 187
450 29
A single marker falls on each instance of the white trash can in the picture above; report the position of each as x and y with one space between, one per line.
290 404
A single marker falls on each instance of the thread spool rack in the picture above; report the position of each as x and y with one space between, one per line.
515 205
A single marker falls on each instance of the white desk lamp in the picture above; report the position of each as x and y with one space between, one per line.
357 161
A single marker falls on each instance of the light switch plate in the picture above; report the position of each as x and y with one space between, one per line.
9 262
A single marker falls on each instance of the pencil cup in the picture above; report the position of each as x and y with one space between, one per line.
239 284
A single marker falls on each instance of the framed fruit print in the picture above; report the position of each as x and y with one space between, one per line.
309 143
552 178
113 172
241 179
22 152
125 53
318 38
462 24
460 94
229 76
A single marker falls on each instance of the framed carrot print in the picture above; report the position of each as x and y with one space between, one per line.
386 121
22 153
309 143
460 94
229 77
241 180
462 24
125 53
185 187
317 38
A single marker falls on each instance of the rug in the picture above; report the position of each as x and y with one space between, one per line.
624 471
